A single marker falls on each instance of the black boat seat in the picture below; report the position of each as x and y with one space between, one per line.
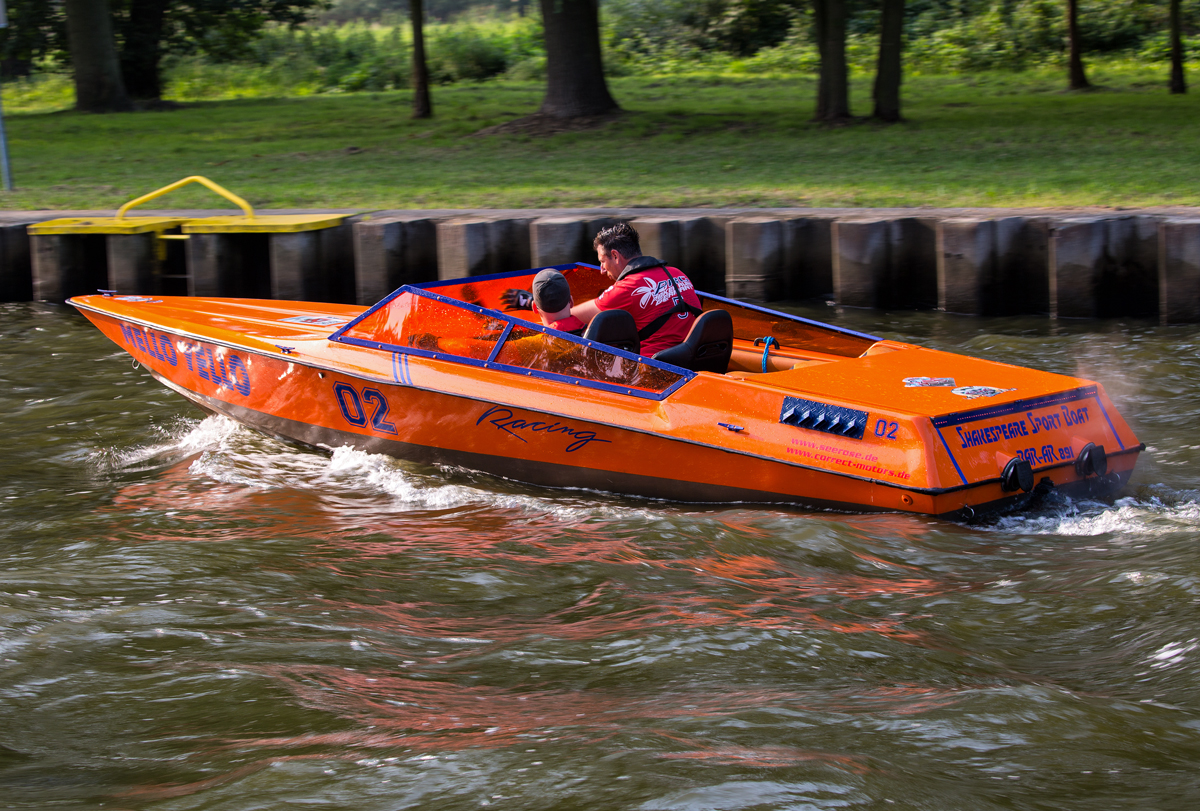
615 328
707 347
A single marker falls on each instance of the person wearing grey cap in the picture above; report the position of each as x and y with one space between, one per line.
551 300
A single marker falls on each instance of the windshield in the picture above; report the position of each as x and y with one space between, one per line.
424 323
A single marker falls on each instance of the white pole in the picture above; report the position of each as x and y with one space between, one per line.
7 167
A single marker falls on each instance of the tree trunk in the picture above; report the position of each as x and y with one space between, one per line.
820 28
1078 80
888 69
422 104
833 85
98 85
1178 83
575 84
142 48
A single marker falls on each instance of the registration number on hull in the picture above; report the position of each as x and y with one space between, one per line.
1042 430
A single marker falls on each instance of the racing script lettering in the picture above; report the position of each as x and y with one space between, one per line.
505 421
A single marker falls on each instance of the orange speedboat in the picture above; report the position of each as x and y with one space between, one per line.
760 407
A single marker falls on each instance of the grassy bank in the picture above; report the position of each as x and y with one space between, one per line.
1003 139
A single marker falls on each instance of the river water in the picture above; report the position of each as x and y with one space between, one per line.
194 616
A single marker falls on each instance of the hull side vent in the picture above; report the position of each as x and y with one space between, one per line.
828 419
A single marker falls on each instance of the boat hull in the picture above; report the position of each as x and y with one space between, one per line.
401 407
556 474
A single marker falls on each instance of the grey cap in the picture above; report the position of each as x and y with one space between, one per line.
551 293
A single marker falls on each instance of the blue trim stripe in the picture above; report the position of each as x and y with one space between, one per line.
946 444
400 371
786 316
1111 427
1058 398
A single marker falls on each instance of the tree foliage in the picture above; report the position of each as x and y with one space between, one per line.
640 36
391 11
37 30
222 30
356 57
740 27
962 34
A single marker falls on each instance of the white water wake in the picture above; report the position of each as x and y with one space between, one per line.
227 452
1151 515
230 453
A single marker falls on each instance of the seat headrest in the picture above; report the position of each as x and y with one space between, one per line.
615 328
713 325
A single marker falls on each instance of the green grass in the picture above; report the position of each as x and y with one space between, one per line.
701 140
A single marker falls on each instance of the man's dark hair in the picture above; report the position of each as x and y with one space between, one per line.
620 237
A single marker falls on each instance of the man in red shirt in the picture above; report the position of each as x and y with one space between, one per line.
661 299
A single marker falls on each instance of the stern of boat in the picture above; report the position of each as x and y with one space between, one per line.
1073 442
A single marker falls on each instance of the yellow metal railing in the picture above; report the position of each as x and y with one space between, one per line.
246 223
204 181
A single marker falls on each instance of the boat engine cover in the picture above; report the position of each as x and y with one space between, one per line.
1017 475
1092 459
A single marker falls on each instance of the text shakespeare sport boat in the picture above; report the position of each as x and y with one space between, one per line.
784 410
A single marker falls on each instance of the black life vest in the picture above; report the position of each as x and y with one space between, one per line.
642 263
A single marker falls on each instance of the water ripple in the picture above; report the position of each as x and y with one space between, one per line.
193 615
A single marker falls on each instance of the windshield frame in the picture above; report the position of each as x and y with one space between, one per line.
787 316
684 375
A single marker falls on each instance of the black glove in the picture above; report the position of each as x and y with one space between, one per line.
517 300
